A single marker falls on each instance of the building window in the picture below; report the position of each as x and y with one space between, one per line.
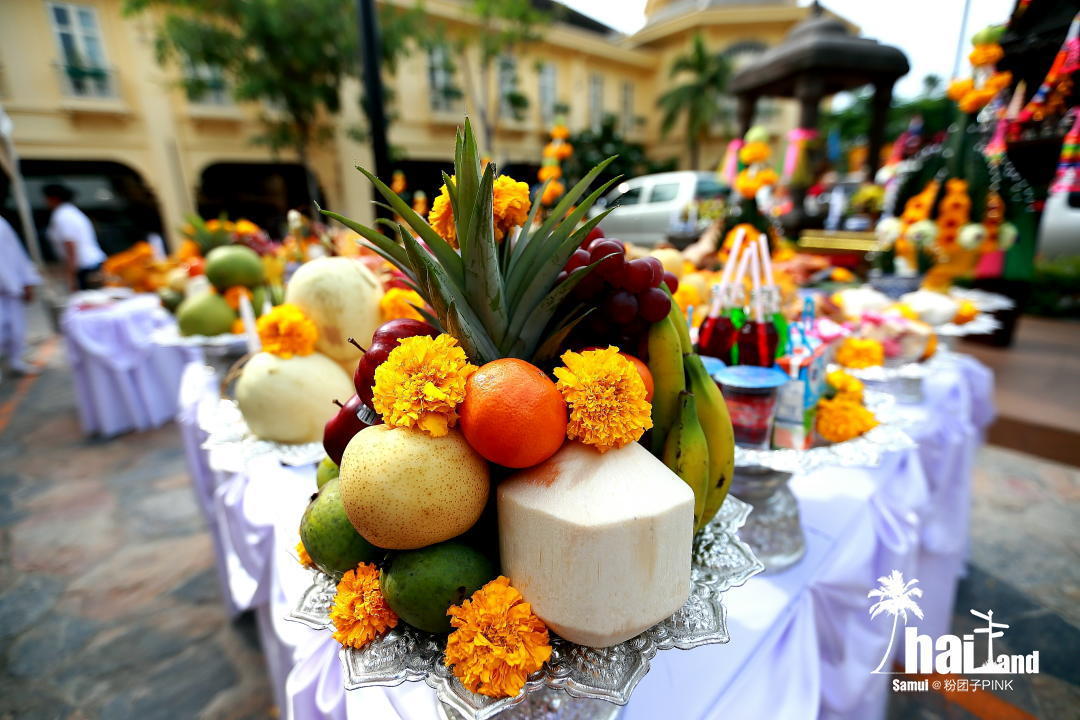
596 102
628 108
512 102
206 84
83 70
547 93
444 94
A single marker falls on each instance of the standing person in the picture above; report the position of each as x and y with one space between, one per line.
18 278
73 238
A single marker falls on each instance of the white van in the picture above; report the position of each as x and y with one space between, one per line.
649 206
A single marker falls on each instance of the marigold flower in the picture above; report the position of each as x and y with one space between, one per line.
545 172
510 205
976 100
552 192
232 296
246 227
302 555
237 327
767 176
998 81
606 396
560 132
846 385
746 184
966 312
285 331
360 613
754 152
188 249
986 54
441 217
498 641
401 303
421 383
860 353
842 419
959 88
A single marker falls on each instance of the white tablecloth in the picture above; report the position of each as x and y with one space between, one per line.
123 381
802 642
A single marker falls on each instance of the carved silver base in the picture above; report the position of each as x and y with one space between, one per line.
773 530
548 704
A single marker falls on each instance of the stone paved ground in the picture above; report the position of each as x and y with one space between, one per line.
110 608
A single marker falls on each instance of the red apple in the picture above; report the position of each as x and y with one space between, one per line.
353 417
383 341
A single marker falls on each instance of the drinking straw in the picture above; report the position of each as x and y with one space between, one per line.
733 256
755 284
740 271
763 245
247 315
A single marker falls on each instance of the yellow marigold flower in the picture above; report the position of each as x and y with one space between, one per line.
966 312
441 217
846 385
510 205
498 641
400 303
754 152
549 171
421 383
606 396
552 192
285 331
959 88
360 613
302 555
860 353
986 54
842 419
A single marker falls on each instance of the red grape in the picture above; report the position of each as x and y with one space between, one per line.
587 288
600 248
580 258
637 277
654 305
621 307
671 281
560 277
657 269
611 268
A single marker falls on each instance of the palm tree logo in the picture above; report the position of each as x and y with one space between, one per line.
896 597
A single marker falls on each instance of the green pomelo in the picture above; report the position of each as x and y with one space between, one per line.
329 537
205 314
327 471
234 265
421 585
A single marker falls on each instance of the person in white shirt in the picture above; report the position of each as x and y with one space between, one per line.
73 238
18 278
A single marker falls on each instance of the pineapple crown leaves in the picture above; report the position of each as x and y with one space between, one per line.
497 300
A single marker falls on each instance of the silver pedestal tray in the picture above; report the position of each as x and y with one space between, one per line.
721 561
773 530
224 426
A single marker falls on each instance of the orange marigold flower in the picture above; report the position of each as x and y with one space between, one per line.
754 152
998 81
302 555
232 296
510 205
986 54
842 419
860 353
552 192
965 312
553 172
441 217
360 613
976 100
746 184
606 396
285 331
401 303
421 383
560 132
959 88
498 641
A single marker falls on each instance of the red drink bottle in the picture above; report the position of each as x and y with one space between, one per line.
757 343
716 338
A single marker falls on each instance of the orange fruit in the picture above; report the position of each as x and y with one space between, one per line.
513 414
642 368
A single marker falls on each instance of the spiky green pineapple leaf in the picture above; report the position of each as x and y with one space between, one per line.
522 240
382 244
467 172
442 251
483 281
550 347
525 343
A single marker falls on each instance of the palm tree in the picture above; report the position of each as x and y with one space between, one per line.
896 598
698 98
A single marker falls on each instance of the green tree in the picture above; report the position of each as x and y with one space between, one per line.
291 56
697 98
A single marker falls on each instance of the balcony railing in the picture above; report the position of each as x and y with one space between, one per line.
79 81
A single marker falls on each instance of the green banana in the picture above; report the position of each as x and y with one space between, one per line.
686 453
712 412
669 379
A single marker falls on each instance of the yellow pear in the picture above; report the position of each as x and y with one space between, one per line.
403 489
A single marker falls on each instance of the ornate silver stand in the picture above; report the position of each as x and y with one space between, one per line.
773 530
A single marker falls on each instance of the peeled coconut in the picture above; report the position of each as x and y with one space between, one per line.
289 400
405 490
341 296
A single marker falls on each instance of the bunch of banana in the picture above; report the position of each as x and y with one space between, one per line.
692 431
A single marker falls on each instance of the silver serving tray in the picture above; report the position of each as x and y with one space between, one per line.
720 562
169 336
863 451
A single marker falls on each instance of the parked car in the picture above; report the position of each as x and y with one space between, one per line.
649 207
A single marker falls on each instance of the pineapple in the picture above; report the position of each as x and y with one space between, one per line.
497 300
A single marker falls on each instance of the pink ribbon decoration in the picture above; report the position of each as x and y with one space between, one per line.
729 168
796 138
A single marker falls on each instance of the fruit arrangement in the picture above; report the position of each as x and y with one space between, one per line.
501 469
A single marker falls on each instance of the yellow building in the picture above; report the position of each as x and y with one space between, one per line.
87 101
